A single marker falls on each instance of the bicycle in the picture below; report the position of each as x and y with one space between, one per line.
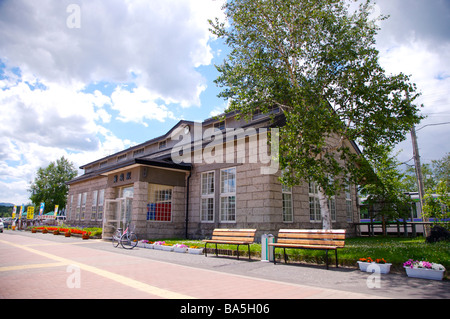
127 239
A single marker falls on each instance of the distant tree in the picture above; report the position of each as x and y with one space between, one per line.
50 186
318 64
432 174
437 204
384 188
441 169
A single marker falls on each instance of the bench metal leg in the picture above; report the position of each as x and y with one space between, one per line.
249 258
217 254
205 250
238 252
335 251
274 258
285 258
327 258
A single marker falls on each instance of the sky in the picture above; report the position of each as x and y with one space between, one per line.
85 79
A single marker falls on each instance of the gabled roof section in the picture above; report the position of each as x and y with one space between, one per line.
136 147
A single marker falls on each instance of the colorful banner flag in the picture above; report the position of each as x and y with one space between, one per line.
30 212
14 212
41 209
56 210
20 212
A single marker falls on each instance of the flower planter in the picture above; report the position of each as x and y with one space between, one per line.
56 232
424 273
85 236
33 230
44 231
157 246
195 251
67 234
182 249
167 248
373 267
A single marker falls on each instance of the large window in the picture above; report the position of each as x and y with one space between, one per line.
98 197
101 200
207 206
314 205
228 195
78 211
94 205
287 203
83 206
348 203
159 207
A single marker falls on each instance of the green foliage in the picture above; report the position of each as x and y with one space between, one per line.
438 207
50 186
384 189
319 65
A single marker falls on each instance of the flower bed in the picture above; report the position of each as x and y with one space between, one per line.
61 230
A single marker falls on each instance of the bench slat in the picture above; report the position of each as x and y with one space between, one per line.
311 242
303 246
311 235
236 234
225 238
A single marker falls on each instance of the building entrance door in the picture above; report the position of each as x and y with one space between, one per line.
117 215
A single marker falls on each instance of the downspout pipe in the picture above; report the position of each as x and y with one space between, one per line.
187 205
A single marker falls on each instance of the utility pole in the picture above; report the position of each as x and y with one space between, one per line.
419 176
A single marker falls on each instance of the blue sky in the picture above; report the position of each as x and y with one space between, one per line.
89 80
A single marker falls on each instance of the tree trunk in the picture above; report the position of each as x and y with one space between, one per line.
324 211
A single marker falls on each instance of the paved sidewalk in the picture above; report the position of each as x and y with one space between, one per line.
48 266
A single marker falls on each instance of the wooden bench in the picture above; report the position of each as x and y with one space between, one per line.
310 239
232 236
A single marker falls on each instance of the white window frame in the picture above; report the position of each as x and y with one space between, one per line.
94 205
207 197
348 203
100 204
227 195
314 204
286 194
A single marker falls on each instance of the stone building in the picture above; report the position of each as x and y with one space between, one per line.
197 177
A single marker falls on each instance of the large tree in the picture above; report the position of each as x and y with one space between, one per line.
49 186
317 62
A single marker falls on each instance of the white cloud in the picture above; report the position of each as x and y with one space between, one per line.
415 40
46 68
138 105
156 44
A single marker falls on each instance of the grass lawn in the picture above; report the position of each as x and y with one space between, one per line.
394 250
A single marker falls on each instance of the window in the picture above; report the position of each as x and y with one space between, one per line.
94 205
207 205
228 195
348 203
159 207
100 203
314 205
287 203
83 206
138 152
121 157
78 211
162 145
219 126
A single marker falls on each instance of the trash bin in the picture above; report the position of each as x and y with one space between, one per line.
266 250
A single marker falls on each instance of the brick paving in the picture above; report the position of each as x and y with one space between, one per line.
49 267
